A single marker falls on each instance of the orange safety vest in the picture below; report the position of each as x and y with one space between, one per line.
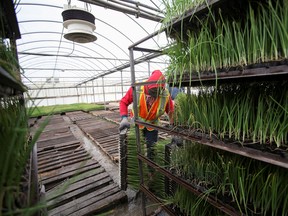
157 109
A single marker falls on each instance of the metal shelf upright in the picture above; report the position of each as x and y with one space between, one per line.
278 71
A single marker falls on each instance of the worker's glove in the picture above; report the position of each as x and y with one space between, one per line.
177 140
124 124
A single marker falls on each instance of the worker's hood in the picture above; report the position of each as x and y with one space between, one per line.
155 76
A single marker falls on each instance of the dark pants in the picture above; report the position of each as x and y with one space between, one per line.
151 137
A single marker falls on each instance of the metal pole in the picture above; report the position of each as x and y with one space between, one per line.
188 90
55 101
77 94
93 91
103 89
115 92
149 69
35 170
137 131
86 92
122 82
125 9
62 94
46 99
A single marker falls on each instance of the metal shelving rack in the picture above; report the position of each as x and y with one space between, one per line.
276 72
9 86
12 88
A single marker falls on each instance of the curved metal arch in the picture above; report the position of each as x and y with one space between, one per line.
142 29
145 31
83 63
27 21
61 40
102 57
62 63
77 44
23 61
88 72
47 32
126 9
115 45
96 59
39 4
59 69
73 56
58 7
96 33
46 50
116 30
50 62
85 47
63 77
93 51
36 21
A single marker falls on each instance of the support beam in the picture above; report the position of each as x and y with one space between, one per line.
124 8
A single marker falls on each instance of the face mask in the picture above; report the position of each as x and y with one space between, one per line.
154 92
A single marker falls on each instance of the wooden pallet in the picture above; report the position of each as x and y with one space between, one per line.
74 182
113 116
103 133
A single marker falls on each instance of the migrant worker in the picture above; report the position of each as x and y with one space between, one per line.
153 101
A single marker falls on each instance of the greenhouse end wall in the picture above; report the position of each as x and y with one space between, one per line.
56 96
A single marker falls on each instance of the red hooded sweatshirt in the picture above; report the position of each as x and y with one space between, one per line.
128 98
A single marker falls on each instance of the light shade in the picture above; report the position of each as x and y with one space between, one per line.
80 25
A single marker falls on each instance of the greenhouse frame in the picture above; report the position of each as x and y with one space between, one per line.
68 68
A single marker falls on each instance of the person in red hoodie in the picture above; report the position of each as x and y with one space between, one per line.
153 101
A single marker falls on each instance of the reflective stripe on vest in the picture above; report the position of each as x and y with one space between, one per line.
157 109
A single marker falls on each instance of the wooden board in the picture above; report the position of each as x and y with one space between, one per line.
45 158
56 140
64 146
71 191
92 202
74 182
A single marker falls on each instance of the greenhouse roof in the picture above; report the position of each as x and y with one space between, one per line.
48 58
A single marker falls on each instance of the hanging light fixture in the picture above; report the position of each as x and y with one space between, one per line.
80 24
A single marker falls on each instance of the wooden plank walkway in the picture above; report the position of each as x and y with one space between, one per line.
104 134
74 182
113 116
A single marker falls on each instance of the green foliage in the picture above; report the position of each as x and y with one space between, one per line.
225 44
8 61
176 8
48 110
157 182
15 151
255 112
247 113
133 177
254 187
193 205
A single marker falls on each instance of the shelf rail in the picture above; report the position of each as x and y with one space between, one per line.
212 200
207 140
